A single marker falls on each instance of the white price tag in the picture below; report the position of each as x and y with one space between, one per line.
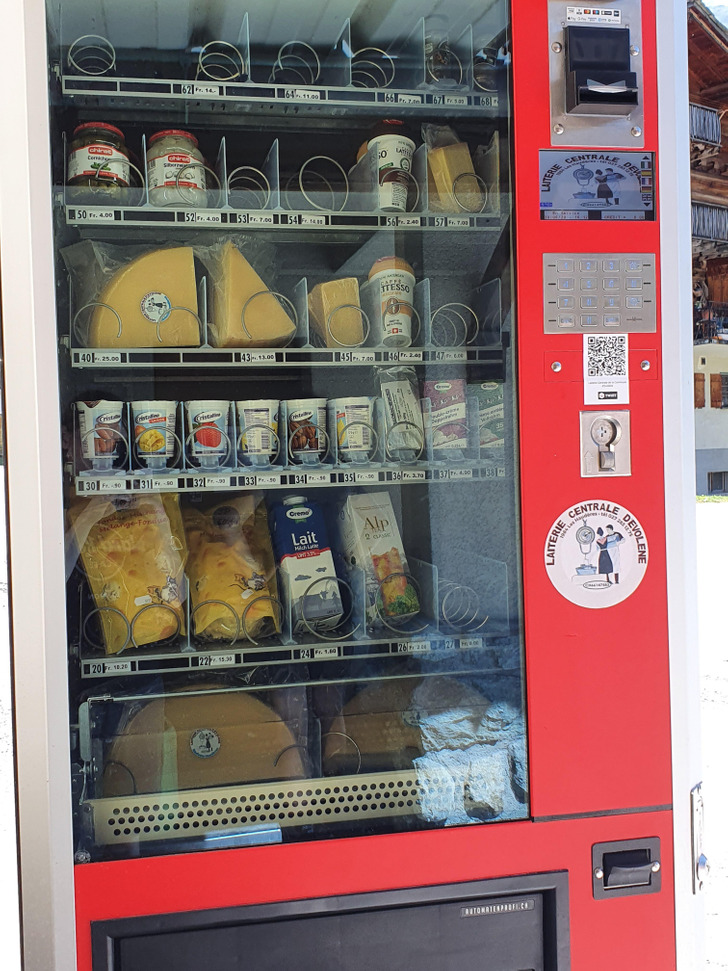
461 473
408 220
409 99
307 220
413 647
413 475
258 357
112 485
367 477
169 482
318 478
207 90
451 356
260 220
267 481
105 357
363 357
217 481
410 357
320 653
455 99
207 216
304 94
117 667
458 222
100 215
469 643
215 660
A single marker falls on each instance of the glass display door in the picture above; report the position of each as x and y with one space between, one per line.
289 424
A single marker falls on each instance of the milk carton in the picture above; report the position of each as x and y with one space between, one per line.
307 568
371 542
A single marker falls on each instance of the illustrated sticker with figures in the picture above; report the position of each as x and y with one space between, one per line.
597 185
596 553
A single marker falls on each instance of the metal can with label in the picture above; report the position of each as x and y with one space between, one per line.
396 282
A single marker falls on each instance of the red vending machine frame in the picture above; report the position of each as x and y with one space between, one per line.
612 726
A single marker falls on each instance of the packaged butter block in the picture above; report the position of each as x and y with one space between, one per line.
133 553
452 182
149 302
231 569
333 314
371 542
236 290
193 741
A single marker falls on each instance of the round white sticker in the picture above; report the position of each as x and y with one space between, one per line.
156 306
596 553
205 742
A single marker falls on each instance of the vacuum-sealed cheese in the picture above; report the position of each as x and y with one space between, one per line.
133 553
244 311
334 315
149 302
231 569
191 741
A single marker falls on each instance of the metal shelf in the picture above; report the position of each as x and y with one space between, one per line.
196 357
225 479
148 216
247 97
169 661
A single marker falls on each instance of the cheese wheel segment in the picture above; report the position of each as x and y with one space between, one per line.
237 288
448 169
150 302
333 315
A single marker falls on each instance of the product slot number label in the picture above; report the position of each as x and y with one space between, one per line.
298 478
98 357
322 653
95 215
410 357
451 356
203 216
215 660
412 647
355 357
307 220
489 101
304 94
469 643
258 357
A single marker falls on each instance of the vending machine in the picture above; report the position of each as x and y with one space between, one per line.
349 484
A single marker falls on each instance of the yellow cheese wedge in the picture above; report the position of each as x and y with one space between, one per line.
333 317
150 302
451 179
237 288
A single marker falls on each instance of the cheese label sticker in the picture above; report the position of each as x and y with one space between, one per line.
205 742
596 553
156 306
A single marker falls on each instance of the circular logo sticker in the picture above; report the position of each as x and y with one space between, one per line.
596 553
156 306
205 742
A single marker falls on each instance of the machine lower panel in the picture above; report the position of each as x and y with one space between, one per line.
520 923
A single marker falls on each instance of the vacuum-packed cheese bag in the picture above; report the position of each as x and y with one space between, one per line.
231 570
127 298
132 551
195 739
245 313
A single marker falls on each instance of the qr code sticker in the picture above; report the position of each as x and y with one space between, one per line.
606 355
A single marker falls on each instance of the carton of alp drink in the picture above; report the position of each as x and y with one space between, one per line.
371 541
307 567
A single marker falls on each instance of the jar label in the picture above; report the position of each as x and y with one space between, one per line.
175 170
100 162
393 160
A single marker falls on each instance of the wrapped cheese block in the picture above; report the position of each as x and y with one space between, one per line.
453 185
231 569
333 314
133 553
384 726
148 302
192 740
240 297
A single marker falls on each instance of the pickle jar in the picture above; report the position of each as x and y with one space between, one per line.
98 158
176 172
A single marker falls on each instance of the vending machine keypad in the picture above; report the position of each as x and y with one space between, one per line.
599 293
